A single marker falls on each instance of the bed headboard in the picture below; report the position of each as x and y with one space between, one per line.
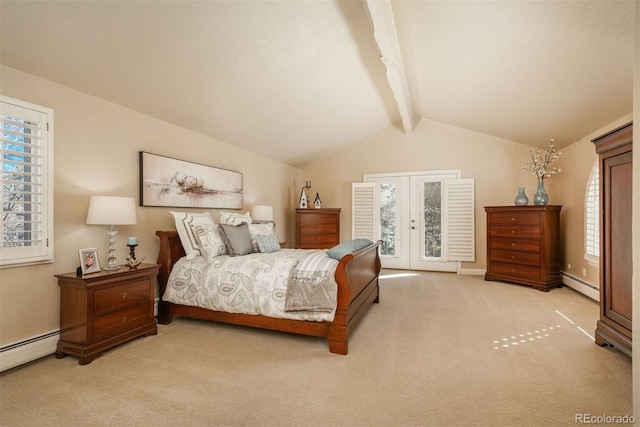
171 251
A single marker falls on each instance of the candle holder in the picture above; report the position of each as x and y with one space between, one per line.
131 259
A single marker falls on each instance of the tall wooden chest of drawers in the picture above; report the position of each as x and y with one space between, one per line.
102 310
523 245
318 228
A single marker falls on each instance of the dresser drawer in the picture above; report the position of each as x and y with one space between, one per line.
318 228
318 241
116 322
514 218
515 244
318 219
515 257
516 231
515 270
121 296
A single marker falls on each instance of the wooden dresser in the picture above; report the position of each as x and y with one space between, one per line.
102 310
616 264
318 228
522 245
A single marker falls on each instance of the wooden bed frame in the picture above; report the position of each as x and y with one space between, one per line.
356 275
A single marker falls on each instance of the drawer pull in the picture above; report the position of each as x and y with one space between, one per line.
513 244
124 319
124 295
513 219
513 231
513 257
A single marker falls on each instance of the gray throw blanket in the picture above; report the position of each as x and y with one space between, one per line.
312 285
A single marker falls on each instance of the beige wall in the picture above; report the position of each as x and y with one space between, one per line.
494 163
96 152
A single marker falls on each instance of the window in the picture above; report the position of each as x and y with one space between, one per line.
592 217
27 183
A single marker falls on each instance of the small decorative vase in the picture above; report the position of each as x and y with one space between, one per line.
540 198
521 198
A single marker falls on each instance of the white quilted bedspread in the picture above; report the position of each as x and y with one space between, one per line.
250 284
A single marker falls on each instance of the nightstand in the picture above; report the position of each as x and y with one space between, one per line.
105 309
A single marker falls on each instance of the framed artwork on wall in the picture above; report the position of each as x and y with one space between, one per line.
169 182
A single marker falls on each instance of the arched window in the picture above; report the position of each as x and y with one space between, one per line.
592 217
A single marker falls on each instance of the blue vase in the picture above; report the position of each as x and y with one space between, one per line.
540 198
521 198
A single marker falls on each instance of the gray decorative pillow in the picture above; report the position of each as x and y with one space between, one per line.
338 251
237 239
267 243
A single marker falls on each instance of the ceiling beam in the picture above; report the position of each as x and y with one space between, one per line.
384 31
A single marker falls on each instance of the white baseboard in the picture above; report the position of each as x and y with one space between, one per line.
581 286
472 271
29 350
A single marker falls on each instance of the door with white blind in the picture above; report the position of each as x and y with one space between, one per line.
425 220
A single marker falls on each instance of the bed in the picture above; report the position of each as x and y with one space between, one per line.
356 275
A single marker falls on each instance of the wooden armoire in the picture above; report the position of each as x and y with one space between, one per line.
615 162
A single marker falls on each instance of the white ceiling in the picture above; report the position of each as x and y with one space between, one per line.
297 80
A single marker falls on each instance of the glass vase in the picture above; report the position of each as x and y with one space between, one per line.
540 198
521 198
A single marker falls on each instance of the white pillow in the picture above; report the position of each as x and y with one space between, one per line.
211 242
234 218
267 228
185 222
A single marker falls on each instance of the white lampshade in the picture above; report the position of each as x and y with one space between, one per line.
109 210
262 213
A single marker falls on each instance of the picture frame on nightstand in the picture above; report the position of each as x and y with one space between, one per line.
89 262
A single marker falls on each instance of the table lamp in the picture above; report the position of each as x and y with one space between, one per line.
111 210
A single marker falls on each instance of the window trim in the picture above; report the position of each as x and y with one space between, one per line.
592 213
46 252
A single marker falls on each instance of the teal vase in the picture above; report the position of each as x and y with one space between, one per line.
521 198
540 198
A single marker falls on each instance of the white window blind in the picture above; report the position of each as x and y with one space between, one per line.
592 217
27 180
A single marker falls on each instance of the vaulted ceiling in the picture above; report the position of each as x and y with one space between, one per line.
297 80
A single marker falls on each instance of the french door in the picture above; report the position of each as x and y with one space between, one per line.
418 218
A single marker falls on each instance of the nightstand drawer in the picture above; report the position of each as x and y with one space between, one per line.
515 257
120 321
523 232
121 296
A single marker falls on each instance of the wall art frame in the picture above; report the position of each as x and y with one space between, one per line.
89 262
169 182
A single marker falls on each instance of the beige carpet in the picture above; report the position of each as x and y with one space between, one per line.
439 350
